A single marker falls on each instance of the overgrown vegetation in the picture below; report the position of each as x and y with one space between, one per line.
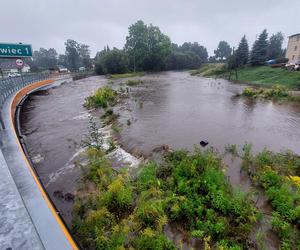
186 190
276 92
278 175
103 97
211 69
134 82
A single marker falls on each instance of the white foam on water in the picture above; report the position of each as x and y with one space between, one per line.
69 166
37 158
82 116
119 154
124 157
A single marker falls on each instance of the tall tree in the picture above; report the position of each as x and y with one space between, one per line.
45 58
187 56
196 49
113 61
62 60
242 53
84 54
275 46
223 51
148 48
72 54
259 50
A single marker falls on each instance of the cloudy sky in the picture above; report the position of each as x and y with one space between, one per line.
48 23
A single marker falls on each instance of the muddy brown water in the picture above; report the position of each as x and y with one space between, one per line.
170 108
54 123
180 110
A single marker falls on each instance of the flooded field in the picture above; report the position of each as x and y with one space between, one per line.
180 110
170 108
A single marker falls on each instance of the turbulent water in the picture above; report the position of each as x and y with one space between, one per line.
170 108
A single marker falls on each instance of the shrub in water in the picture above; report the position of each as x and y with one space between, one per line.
101 98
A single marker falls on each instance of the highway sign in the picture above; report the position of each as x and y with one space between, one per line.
11 50
19 63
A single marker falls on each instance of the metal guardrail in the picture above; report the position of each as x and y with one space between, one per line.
13 84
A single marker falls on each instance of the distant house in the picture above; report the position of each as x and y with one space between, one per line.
293 48
11 67
62 69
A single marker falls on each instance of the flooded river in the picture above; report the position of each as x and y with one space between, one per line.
180 110
170 108
54 123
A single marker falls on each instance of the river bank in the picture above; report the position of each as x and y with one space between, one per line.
262 76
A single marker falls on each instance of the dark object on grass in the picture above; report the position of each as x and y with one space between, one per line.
204 143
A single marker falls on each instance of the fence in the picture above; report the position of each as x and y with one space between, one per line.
11 85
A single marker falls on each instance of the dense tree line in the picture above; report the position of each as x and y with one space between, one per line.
76 55
187 56
148 49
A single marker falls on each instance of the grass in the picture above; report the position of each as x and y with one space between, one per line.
268 76
126 75
210 69
133 82
102 98
278 174
189 190
260 76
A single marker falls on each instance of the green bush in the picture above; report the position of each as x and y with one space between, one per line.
274 92
118 197
102 98
152 240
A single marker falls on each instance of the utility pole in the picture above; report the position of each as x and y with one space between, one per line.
134 62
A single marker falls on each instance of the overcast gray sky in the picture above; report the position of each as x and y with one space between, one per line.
48 23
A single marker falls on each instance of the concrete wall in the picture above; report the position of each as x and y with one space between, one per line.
34 211
293 49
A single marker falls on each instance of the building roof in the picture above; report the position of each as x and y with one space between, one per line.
298 34
11 65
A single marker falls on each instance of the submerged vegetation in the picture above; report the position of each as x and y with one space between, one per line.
276 92
126 75
186 190
134 82
232 148
278 174
103 97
